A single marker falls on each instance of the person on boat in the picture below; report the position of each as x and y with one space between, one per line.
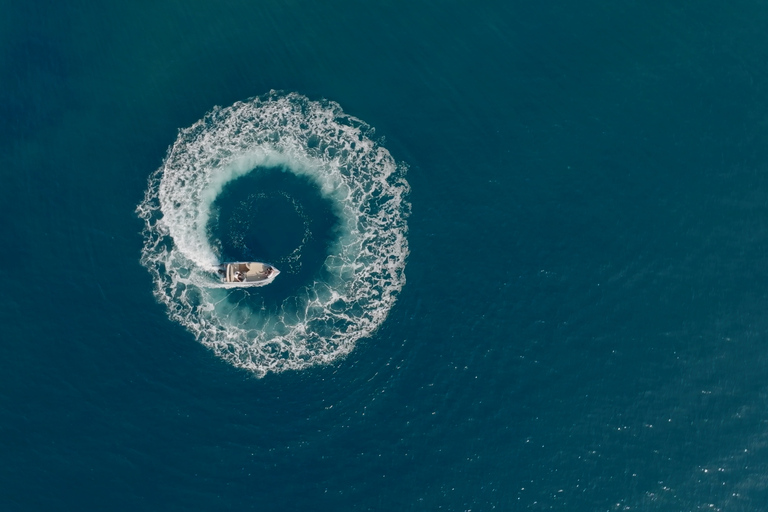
239 276
268 271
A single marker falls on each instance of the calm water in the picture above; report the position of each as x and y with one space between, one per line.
584 321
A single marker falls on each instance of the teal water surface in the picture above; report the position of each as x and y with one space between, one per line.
583 322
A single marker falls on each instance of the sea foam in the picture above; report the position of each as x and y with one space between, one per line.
363 273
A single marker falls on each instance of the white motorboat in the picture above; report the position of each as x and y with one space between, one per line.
248 273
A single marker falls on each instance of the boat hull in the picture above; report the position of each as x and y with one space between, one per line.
246 273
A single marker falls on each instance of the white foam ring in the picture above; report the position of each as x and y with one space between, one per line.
363 273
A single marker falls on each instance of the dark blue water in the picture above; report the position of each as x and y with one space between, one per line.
584 321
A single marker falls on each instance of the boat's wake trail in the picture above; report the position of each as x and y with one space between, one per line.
361 277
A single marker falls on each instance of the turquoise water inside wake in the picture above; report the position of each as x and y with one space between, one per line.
523 253
277 216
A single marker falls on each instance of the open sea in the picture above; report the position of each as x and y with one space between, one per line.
523 251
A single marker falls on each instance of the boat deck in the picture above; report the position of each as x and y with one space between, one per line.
249 271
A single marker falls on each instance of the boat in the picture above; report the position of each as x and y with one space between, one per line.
246 273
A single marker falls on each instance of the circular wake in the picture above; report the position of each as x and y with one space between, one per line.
364 269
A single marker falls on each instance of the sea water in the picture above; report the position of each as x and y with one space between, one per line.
522 251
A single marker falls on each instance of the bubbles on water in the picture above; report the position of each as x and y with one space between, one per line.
348 298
